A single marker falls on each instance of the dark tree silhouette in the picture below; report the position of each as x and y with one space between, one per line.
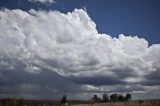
96 99
64 100
128 97
121 98
105 97
114 97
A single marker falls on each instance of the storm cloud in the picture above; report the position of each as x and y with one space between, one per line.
49 51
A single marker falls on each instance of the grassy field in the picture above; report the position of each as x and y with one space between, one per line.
22 102
133 103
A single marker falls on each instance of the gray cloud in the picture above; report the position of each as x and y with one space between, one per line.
20 82
57 52
99 80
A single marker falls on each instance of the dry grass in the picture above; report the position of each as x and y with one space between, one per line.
136 103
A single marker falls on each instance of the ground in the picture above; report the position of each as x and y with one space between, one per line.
133 103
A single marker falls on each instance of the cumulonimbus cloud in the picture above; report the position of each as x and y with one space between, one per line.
70 46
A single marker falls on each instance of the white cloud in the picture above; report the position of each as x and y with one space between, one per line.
42 1
32 69
90 88
70 45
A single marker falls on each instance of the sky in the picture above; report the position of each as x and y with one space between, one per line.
50 48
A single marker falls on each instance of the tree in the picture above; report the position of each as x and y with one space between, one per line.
128 97
114 97
96 99
121 98
105 97
64 100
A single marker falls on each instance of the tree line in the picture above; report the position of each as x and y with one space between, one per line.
112 98
105 98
